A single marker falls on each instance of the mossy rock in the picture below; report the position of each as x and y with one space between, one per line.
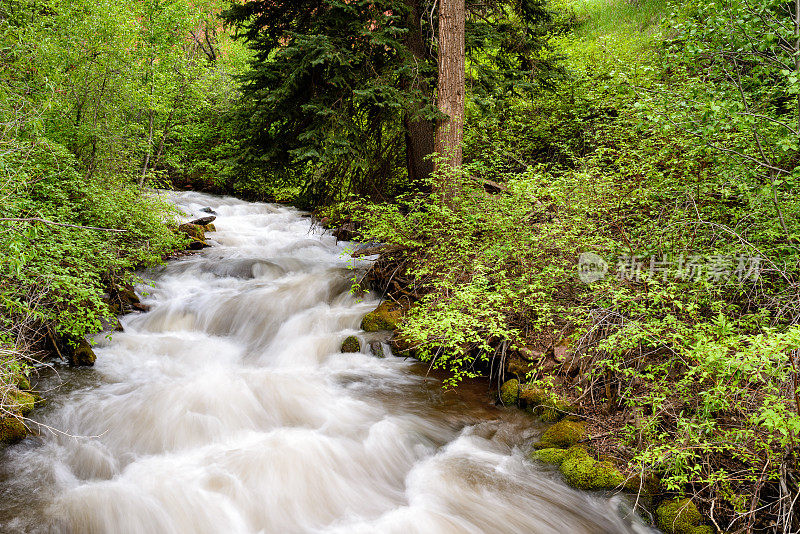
195 231
387 316
197 244
21 401
81 355
210 227
549 456
509 392
376 348
22 381
540 403
351 344
12 429
648 485
681 516
562 435
584 472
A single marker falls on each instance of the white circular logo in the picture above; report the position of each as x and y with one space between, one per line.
591 267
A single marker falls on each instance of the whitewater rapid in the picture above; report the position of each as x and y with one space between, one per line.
228 408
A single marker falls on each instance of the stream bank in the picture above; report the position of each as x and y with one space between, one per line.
228 407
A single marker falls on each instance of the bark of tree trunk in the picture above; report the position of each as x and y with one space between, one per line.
419 131
450 91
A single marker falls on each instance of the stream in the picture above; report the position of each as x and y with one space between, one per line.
228 408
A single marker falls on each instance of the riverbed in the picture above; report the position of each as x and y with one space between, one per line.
229 408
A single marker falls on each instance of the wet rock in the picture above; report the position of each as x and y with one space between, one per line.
509 392
202 221
197 234
210 227
346 232
584 472
208 210
680 516
376 348
141 307
195 231
120 298
12 429
126 298
80 353
562 435
351 344
387 316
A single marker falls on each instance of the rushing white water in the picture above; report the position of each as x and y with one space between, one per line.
228 409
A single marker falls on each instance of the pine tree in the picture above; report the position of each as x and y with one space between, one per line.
340 97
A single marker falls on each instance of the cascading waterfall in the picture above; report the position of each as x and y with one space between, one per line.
228 408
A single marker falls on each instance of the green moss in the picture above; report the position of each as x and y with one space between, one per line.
82 354
550 456
195 231
539 402
12 429
20 401
680 516
646 485
509 392
21 381
210 227
351 344
584 472
387 316
376 348
562 435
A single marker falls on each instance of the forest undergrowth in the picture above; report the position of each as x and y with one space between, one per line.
627 244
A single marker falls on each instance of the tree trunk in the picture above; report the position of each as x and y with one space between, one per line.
149 150
449 131
419 131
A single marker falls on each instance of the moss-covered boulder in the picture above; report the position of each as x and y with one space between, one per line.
681 516
80 353
387 316
12 429
351 344
584 472
20 401
549 407
509 392
549 456
21 380
197 234
562 435
210 227
647 485
195 231
376 348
